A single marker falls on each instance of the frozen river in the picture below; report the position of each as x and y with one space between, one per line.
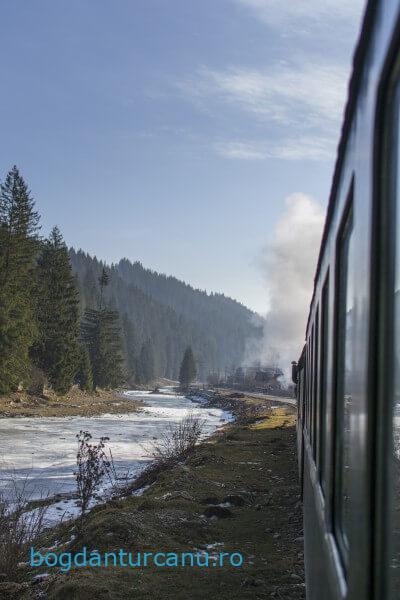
43 450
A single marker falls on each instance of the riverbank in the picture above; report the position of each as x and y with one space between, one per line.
237 492
75 403
39 454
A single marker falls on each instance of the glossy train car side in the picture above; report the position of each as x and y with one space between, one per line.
347 388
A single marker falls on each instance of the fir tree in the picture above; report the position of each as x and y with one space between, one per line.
90 290
188 370
101 333
84 376
56 350
19 225
103 282
130 349
18 246
146 368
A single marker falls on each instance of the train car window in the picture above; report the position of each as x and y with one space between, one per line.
343 388
315 387
305 366
302 387
311 388
301 384
395 559
308 383
323 387
300 392
395 458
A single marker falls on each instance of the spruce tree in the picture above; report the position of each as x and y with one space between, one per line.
103 282
146 367
84 375
18 246
89 289
56 350
188 370
130 349
101 334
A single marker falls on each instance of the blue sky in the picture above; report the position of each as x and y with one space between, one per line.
172 131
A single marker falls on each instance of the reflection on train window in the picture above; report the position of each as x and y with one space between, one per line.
305 388
343 388
311 387
308 383
395 525
323 387
315 387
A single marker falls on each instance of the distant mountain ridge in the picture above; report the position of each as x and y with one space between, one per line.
170 313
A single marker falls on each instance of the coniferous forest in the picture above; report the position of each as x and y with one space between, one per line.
67 318
161 316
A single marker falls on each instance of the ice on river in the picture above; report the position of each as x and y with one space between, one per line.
43 450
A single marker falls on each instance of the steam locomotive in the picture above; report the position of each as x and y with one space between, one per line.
348 375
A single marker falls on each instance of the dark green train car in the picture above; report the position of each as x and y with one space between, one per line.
348 377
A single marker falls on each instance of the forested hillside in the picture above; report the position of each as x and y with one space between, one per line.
161 316
67 318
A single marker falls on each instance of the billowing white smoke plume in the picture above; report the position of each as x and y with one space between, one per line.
289 263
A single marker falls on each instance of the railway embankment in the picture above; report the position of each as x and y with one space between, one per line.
236 492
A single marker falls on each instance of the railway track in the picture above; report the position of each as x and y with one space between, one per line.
269 398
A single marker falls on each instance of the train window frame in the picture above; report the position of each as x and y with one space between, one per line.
305 404
311 388
394 544
345 233
315 394
308 387
302 394
387 213
386 187
323 387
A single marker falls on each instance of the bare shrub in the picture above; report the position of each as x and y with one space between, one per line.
118 479
178 440
93 465
19 527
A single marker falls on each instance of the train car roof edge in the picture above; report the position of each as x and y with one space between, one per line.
353 90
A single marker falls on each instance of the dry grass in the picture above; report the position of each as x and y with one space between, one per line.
18 528
74 403
177 441
279 417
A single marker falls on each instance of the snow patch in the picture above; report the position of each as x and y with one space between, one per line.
40 453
